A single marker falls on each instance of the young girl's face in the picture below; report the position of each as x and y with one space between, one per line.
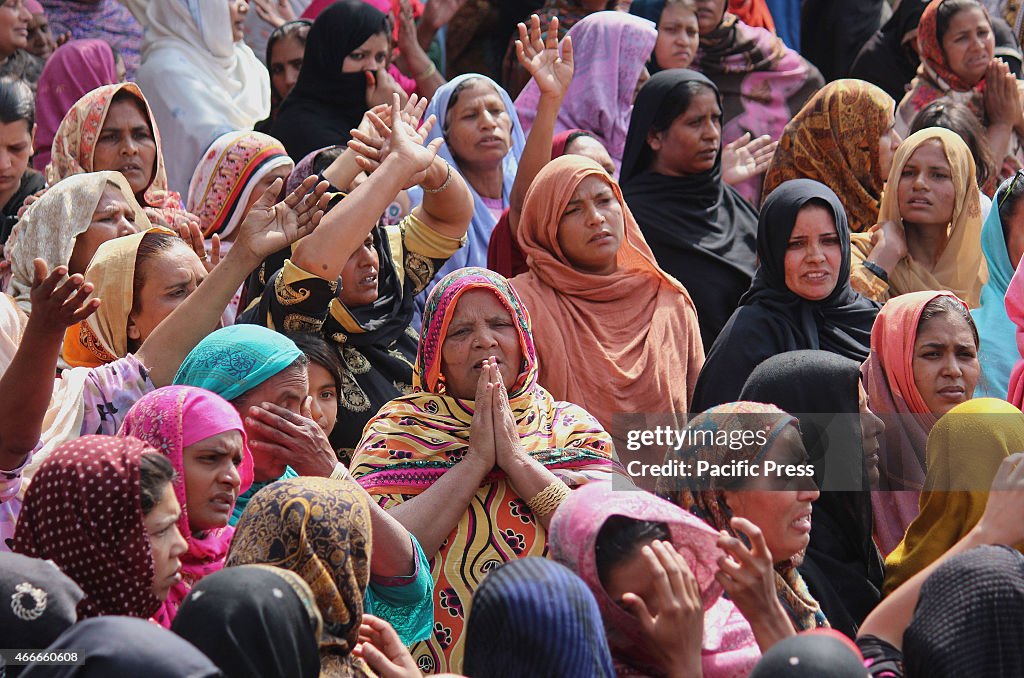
678 37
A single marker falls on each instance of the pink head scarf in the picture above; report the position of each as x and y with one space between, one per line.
888 377
170 419
71 72
34 7
1015 310
728 647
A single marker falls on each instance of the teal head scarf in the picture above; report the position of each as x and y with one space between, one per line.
236 359
998 351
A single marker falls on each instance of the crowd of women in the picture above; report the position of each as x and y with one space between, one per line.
327 331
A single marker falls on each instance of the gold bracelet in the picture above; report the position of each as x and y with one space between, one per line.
548 499
447 180
431 69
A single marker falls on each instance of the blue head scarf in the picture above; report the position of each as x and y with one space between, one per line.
998 351
474 253
236 359
534 617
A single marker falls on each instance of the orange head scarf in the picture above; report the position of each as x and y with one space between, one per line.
627 341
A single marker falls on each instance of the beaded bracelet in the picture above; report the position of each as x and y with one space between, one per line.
548 499
447 180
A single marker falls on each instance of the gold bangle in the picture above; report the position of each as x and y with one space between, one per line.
548 499
447 180
431 69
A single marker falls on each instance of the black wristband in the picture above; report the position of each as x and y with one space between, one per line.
877 270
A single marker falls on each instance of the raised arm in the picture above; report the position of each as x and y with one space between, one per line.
553 74
403 159
27 385
267 228
1000 524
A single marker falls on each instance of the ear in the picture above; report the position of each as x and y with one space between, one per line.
133 332
654 140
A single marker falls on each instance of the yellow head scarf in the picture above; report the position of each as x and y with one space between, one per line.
965 449
961 267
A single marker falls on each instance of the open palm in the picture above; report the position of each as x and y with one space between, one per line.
541 59
271 226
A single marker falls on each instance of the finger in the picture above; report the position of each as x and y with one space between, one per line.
382 128
284 413
657 572
669 560
366 164
85 311
76 298
67 288
362 149
523 35
307 407
296 196
435 145
40 272
736 549
269 197
552 41
638 608
374 142
567 53
428 125
376 659
215 250
759 548
371 82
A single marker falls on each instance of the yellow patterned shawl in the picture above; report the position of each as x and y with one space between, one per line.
414 439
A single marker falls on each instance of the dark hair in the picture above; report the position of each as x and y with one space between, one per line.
127 95
675 103
958 118
17 102
465 84
574 136
947 10
619 538
314 347
298 29
155 472
943 305
1007 202
325 158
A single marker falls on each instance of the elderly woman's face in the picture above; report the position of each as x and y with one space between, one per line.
481 328
478 129
113 218
780 507
126 144
288 389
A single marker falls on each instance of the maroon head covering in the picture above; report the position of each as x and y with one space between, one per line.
83 512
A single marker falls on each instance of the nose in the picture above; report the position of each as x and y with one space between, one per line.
595 218
291 76
488 120
919 182
809 491
484 338
815 252
712 132
179 546
316 411
231 477
951 366
126 227
5 160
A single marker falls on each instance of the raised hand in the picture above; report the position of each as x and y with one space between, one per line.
1002 99
747 575
271 226
403 140
370 140
540 58
673 635
888 244
381 648
745 158
438 13
275 12
58 305
193 237
1000 523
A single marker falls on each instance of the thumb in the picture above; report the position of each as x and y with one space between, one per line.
638 608
269 197
41 271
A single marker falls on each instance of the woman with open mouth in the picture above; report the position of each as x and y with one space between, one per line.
113 128
928 235
843 568
202 435
957 47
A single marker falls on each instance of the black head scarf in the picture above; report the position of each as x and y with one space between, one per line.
821 389
772 319
810 655
885 60
534 617
254 621
125 646
969 619
700 230
326 103
37 603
